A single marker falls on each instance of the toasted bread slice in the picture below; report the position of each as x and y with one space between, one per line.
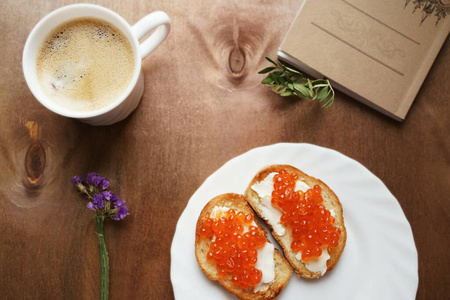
330 201
283 270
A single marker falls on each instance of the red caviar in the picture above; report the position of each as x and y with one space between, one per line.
233 251
311 223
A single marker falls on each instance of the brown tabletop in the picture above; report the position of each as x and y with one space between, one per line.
199 109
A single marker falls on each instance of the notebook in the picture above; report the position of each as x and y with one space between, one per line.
378 52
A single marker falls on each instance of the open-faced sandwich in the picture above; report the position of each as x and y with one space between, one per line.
304 214
233 249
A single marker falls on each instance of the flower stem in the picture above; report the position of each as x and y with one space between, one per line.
104 260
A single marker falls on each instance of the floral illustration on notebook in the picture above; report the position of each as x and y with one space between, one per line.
440 8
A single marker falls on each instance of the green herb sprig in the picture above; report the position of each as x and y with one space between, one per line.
286 81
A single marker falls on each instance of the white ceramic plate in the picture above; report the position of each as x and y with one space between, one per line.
380 257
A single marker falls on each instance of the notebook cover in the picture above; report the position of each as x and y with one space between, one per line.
378 52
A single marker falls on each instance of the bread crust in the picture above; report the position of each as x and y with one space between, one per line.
330 201
283 270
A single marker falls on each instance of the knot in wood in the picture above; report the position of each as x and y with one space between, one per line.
236 61
35 161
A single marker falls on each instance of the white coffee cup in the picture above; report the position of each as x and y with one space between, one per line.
120 108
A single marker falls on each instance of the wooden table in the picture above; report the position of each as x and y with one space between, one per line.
201 107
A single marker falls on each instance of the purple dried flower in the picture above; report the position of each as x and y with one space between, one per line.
98 201
91 177
76 180
107 195
116 201
104 183
97 180
122 212
90 205
104 203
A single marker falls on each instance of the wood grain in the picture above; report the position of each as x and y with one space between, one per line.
202 106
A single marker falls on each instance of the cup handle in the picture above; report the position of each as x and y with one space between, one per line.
159 20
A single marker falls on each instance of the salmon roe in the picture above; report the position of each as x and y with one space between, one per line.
233 250
311 223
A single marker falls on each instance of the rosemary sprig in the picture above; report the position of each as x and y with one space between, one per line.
286 81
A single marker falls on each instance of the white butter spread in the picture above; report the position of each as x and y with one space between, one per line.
272 215
301 186
266 263
217 210
269 213
265 187
333 214
261 287
317 264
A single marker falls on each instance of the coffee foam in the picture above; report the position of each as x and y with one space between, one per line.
85 64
